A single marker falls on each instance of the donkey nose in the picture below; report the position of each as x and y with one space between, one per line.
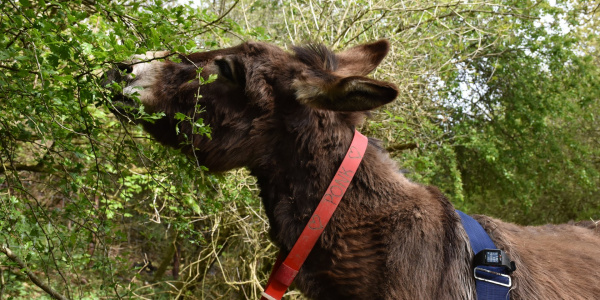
112 75
125 68
117 74
122 70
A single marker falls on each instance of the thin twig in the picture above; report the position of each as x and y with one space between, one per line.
2 283
36 280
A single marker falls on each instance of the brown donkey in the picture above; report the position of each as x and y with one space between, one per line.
289 118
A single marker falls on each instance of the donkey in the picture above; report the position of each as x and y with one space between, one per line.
289 117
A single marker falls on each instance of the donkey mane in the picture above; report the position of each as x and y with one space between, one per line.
317 56
289 118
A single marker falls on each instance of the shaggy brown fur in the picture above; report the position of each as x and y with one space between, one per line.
289 118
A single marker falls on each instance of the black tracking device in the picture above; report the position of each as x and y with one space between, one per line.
494 258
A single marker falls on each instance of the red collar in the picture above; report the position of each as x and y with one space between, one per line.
285 271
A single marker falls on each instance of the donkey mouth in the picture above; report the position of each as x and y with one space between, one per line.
121 104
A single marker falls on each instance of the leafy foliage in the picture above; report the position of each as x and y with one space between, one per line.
519 141
77 184
498 107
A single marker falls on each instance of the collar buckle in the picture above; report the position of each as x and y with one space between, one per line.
492 276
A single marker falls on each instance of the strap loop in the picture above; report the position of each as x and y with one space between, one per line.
285 274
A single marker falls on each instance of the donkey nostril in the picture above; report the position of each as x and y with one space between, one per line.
127 68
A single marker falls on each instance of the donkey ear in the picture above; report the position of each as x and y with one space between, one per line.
355 93
363 59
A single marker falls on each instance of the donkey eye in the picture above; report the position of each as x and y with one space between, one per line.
127 68
225 69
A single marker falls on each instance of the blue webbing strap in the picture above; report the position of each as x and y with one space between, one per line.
481 240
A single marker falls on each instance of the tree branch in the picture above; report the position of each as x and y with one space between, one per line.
17 70
37 281
221 17
596 9
454 13
2 283
22 167
401 147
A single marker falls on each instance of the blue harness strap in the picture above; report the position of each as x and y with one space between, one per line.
492 283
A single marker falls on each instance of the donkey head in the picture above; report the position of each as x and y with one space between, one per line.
262 94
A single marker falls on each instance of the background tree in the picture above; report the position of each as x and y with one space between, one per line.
498 106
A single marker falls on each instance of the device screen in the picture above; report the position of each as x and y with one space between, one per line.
492 257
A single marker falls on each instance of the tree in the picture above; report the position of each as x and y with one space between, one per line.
518 127
498 107
83 198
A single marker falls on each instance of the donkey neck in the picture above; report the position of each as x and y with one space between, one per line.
383 217
295 175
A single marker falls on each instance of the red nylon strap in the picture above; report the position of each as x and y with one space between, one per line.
285 271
